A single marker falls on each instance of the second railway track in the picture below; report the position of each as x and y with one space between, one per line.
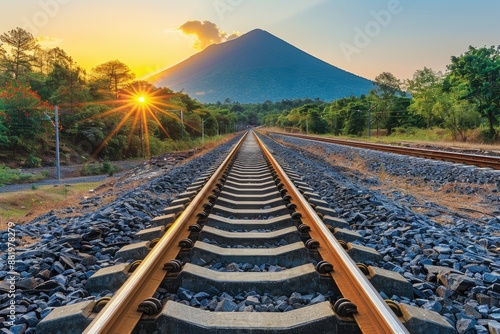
455 157
253 252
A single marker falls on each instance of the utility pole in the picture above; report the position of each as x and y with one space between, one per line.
203 131
143 155
56 127
369 120
182 125
58 166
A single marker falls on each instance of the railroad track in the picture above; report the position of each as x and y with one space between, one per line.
464 158
249 248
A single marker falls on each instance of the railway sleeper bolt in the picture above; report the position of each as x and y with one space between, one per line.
153 243
287 198
212 198
280 185
312 244
202 216
341 242
134 266
303 228
344 307
313 206
320 215
195 228
291 206
216 191
99 305
324 267
283 192
219 185
150 306
364 268
207 207
277 180
173 266
296 216
186 243
394 307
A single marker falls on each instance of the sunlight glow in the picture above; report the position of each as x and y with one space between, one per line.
141 105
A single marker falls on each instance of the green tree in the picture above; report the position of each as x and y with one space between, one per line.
425 89
66 85
458 115
477 71
355 123
22 45
3 129
23 115
387 90
112 76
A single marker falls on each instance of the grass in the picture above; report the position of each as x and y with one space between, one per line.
22 206
12 176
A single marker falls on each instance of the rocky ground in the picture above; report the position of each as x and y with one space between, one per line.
453 263
454 267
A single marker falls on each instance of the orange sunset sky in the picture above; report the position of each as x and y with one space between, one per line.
363 37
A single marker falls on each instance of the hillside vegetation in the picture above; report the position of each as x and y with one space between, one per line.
105 114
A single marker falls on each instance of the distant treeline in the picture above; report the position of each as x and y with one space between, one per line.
100 112
466 97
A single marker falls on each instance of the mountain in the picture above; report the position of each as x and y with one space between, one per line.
256 67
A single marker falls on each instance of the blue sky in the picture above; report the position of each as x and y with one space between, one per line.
363 37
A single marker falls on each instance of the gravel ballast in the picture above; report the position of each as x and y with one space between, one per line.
454 269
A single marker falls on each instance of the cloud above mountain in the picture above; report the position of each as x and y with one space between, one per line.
206 33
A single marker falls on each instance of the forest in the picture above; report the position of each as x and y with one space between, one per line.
106 113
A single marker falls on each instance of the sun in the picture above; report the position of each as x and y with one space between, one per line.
140 104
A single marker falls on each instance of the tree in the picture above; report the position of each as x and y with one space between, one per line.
23 115
22 44
458 115
46 59
112 76
425 88
387 90
477 72
66 85
3 131
355 123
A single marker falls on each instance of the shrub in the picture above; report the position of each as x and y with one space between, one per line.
34 161
97 169
13 176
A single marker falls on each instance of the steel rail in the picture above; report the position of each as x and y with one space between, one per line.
120 314
374 315
469 159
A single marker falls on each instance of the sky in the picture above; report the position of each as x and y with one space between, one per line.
365 37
